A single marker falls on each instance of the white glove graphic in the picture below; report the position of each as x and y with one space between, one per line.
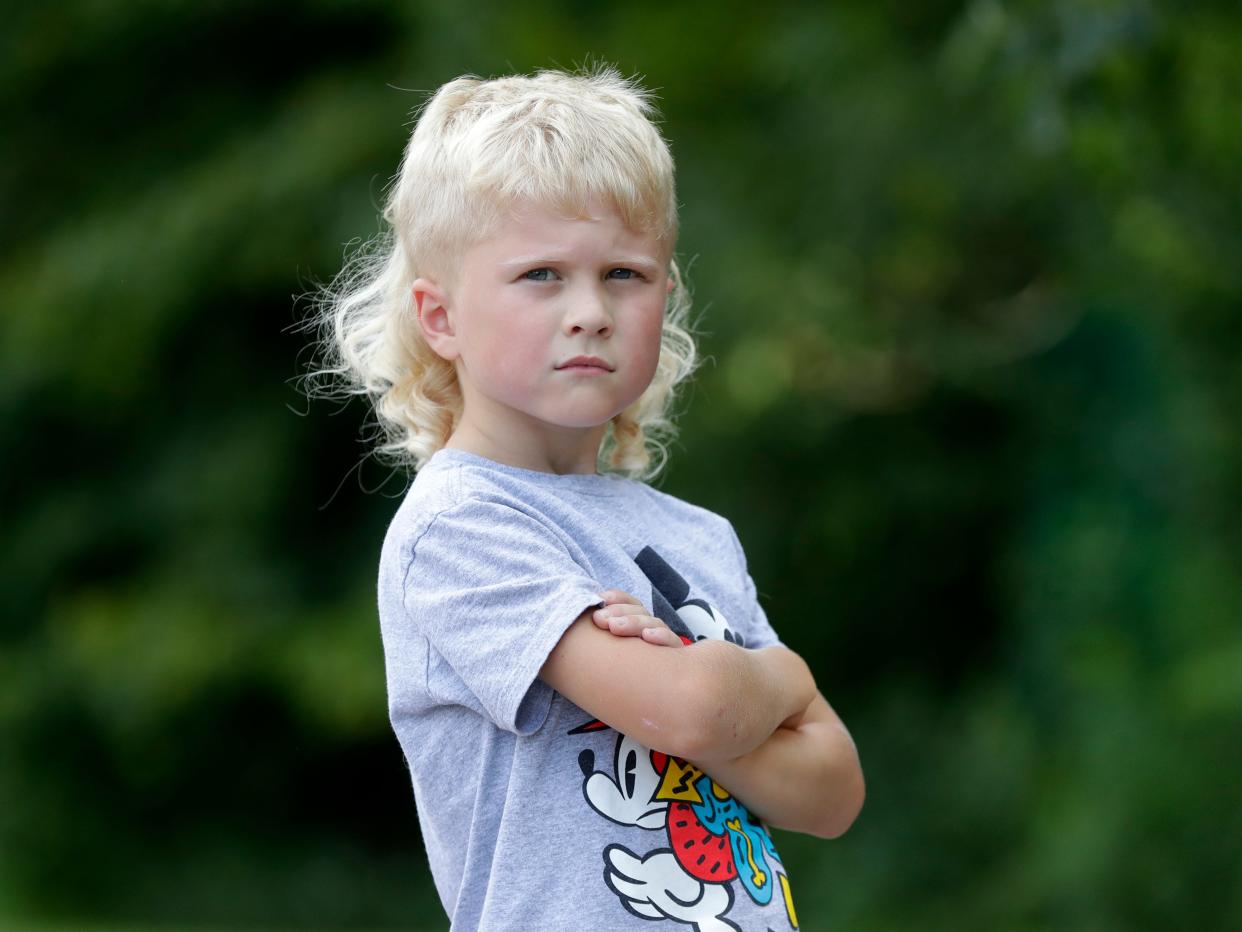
655 887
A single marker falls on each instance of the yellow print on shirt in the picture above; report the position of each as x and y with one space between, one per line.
712 841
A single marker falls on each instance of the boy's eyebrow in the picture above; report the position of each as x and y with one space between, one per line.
642 261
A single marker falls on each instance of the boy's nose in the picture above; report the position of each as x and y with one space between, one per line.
588 312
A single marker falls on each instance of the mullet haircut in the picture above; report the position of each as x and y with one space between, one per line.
479 151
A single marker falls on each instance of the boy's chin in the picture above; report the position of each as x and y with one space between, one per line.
584 423
588 419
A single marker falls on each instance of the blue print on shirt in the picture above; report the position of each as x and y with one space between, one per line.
710 838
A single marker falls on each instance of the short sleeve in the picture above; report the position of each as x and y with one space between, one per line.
760 632
492 590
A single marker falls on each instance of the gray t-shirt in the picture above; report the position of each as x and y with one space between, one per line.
536 817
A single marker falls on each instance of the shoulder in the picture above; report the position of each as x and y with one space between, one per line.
446 497
463 516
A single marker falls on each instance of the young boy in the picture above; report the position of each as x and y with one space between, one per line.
598 719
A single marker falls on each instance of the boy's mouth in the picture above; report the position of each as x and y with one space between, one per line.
585 362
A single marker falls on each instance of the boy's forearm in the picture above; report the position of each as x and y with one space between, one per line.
805 778
741 697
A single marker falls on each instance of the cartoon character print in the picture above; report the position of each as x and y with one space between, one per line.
711 839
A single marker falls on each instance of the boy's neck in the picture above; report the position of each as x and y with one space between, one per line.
573 452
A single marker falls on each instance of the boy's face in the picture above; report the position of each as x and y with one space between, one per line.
539 293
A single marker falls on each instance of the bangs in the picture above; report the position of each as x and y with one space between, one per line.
570 158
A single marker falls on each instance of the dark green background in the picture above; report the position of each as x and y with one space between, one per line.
969 277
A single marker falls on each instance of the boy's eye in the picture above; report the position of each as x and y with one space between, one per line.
540 275
624 274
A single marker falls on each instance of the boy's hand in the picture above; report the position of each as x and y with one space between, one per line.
625 616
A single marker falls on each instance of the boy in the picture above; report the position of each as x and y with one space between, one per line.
579 672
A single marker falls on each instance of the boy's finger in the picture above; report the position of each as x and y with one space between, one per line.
607 616
609 613
620 609
630 624
619 597
626 623
661 636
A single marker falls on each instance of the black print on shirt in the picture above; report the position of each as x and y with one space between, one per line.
693 619
705 842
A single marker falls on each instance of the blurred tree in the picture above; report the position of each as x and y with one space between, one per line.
970 275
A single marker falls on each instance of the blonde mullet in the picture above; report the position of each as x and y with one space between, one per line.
480 148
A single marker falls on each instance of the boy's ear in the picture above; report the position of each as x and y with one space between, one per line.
434 319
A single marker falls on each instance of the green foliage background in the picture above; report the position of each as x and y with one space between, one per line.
970 275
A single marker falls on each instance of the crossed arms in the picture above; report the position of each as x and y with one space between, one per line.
753 719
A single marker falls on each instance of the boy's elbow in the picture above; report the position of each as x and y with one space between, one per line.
697 742
704 728
699 708
669 718
668 731
836 820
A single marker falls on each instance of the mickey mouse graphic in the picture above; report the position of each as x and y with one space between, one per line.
712 839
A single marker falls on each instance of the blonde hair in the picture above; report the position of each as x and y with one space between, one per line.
481 148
